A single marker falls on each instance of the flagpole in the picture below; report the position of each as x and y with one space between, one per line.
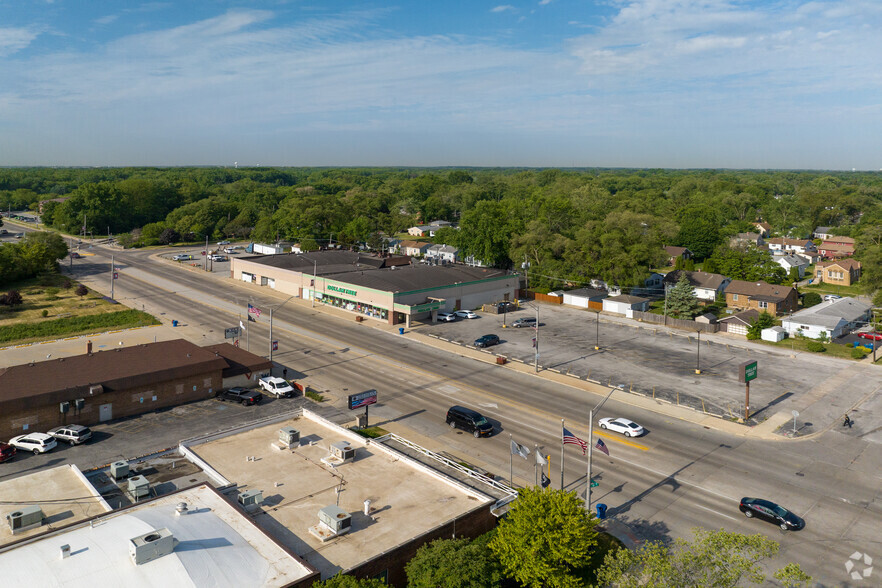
510 456
536 466
590 454
561 454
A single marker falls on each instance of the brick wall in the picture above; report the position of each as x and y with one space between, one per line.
44 414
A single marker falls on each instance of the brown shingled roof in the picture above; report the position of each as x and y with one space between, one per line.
759 290
240 361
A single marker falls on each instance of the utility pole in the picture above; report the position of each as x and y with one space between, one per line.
314 265
591 447
536 356
205 263
597 331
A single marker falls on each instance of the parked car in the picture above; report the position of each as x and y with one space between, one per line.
505 306
217 257
872 336
446 317
223 242
73 434
469 420
626 427
466 314
230 250
527 321
769 511
7 452
246 397
831 297
35 442
278 387
487 341
182 257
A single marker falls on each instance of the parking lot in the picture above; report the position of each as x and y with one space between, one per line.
655 361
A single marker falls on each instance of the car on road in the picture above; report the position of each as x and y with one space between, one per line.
527 321
230 251
7 452
872 336
34 442
828 297
469 420
769 511
626 427
246 397
75 255
446 317
468 314
216 257
487 341
182 257
223 242
73 434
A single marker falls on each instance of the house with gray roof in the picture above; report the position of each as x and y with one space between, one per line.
790 261
707 286
834 318
442 253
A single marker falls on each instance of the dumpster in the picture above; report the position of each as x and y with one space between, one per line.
400 330
174 323
601 510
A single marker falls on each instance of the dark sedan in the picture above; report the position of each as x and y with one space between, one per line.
487 341
769 511
246 397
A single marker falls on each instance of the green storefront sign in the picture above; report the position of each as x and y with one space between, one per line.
748 371
333 288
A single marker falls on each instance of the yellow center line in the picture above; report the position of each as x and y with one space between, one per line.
622 440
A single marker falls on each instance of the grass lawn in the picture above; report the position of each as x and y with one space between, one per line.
822 288
833 349
65 313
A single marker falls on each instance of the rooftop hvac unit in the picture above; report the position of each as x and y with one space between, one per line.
251 499
152 545
139 487
336 519
289 436
119 470
28 517
343 451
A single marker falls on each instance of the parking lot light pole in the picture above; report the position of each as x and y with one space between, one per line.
698 354
536 343
597 331
591 447
271 331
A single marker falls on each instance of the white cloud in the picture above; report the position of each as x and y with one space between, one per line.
503 8
106 20
544 2
13 40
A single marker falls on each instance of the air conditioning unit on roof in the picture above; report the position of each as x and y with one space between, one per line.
25 518
153 545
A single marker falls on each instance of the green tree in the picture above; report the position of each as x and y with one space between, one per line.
763 321
169 236
749 263
699 231
681 301
546 536
717 559
454 563
794 274
343 581
810 299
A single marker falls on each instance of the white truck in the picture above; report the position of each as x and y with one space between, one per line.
277 387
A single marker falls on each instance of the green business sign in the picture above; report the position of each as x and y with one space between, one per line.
748 371
333 288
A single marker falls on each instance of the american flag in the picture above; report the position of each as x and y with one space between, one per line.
569 438
254 310
601 446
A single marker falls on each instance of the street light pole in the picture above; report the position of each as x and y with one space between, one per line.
698 354
597 331
591 447
271 331
536 355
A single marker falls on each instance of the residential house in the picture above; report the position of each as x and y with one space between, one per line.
761 296
585 298
419 231
675 252
792 245
737 324
413 248
790 261
707 286
625 304
437 224
833 318
442 253
745 239
764 228
836 247
822 233
844 272
812 257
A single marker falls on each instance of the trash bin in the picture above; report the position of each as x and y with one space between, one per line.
400 330
174 323
500 360
601 510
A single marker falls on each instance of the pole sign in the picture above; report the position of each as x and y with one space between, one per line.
275 345
115 275
747 371
231 333
362 399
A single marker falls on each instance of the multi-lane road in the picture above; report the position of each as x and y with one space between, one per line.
678 476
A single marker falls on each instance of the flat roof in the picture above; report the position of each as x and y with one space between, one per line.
218 546
419 277
407 498
62 492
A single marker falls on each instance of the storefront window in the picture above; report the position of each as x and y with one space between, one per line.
366 309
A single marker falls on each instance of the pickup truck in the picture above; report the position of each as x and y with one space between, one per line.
277 387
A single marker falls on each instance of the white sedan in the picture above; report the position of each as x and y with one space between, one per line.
623 426
36 442
466 314
446 317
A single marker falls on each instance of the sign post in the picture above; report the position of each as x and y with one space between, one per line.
231 333
747 371
364 399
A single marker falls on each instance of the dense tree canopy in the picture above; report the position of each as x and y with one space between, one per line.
37 252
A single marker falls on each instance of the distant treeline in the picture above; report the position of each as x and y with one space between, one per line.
569 225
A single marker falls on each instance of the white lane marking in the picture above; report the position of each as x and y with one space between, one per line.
715 512
489 405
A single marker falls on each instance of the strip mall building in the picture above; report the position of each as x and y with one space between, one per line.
391 289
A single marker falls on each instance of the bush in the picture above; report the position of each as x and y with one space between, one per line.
859 352
811 299
815 346
45 313
11 298
67 285
81 290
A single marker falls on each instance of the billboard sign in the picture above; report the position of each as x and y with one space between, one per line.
362 399
231 333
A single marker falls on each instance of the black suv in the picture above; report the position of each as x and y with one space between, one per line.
487 341
769 511
246 397
469 420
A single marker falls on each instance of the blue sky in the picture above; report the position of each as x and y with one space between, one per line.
622 83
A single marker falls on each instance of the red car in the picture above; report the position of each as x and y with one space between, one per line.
7 452
873 336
